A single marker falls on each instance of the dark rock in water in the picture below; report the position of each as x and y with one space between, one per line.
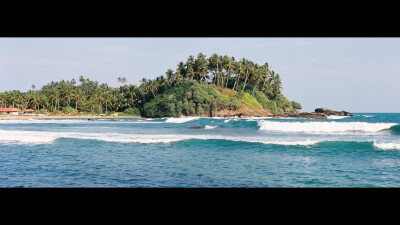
195 127
330 112
302 115
113 120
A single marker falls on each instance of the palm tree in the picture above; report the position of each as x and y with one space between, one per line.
249 67
228 66
99 99
107 99
170 77
78 95
277 85
201 67
190 72
237 69
182 69
82 79
179 76
144 81
122 80
3 100
152 87
258 73
213 63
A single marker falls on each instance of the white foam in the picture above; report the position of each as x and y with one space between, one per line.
72 121
41 137
180 119
304 143
27 137
28 121
210 127
387 146
334 117
323 127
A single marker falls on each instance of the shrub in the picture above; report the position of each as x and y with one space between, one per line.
69 109
132 111
272 107
234 104
247 100
296 105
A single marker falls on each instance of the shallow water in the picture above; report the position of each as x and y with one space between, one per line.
361 151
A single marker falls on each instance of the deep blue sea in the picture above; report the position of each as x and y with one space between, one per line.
360 151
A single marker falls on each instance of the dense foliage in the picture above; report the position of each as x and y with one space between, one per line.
199 86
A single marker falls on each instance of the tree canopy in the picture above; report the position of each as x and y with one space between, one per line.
190 89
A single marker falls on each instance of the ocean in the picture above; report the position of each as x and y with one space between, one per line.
360 151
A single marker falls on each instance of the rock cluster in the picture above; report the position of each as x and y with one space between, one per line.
330 112
320 113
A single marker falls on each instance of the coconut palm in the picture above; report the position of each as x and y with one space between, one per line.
170 77
228 66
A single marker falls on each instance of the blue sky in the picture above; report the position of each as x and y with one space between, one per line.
352 74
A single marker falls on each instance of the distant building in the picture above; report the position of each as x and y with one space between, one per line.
10 111
29 111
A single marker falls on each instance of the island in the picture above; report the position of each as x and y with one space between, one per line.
217 86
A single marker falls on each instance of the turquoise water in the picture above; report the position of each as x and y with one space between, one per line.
361 151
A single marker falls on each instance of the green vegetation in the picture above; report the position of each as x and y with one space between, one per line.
198 87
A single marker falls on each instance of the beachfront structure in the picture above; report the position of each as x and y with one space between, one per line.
30 111
11 111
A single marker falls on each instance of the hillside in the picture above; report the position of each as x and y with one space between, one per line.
201 99
250 107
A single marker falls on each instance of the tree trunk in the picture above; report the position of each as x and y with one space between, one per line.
236 82
255 86
245 81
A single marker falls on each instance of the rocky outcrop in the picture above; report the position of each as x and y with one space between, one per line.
330 112
302 115
320 113
244 112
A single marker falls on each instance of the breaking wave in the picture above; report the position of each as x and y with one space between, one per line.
40 137
387 146
323 127
334 117
395 130
210 127
180 119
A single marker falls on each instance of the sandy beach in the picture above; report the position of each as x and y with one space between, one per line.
27 117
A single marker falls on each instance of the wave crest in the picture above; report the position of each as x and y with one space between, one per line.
180 119
323 127
387 146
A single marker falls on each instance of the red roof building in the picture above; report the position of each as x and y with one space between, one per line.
8 110
30 111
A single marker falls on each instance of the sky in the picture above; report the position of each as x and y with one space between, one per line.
351 74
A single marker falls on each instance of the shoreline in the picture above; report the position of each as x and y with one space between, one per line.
27 117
